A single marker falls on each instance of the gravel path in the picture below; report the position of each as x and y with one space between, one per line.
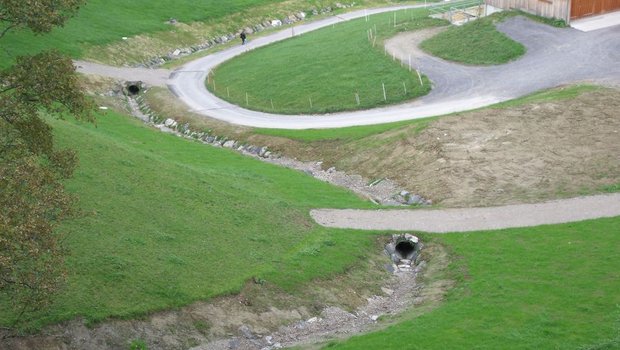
554 57
473 219
152 77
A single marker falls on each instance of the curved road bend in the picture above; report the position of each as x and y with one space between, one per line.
554 57
473 219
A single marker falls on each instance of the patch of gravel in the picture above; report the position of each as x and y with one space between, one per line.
402 292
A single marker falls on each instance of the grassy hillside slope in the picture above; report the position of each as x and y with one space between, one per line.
168 221
104 21
548 287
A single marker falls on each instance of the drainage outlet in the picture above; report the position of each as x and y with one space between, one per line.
404 251
133 88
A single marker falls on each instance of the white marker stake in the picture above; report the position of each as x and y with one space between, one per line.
247 99
394 19
310 99
410 62
227 92
357 98
405 88
419 77
272 104
384 93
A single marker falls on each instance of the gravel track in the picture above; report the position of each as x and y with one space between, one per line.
473 219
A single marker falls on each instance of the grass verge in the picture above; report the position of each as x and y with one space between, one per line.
476 43
167 222
359 132
548 287
328 70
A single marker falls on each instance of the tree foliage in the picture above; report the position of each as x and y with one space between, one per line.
41 16
32 198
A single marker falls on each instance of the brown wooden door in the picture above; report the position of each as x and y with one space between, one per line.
582 8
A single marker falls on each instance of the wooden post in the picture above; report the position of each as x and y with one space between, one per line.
384 93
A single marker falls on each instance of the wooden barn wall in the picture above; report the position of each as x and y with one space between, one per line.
545 8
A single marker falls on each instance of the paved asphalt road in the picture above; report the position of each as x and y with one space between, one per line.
554 57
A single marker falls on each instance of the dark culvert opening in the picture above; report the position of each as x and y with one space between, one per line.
133 89
405 250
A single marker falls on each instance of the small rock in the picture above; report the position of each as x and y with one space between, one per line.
404 193
229 144
276 23
415 199
176 52
268 339
245 330
387 291
171 123
374 318
313 320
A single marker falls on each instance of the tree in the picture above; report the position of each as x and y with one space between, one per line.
32 198
41 16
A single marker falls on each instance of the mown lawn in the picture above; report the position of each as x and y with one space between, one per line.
547 287
322 71
104 21
166 222
477 43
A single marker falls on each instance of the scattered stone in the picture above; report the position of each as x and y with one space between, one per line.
170 123
374 318
229 144
313 320
276 23
247 333
387 291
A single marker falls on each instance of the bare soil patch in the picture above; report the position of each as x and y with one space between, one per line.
520 154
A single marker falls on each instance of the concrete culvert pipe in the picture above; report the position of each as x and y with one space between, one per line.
133 89
405 249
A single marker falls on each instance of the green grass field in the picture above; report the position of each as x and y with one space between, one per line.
168 221
477 43
548 287
322 71
104 21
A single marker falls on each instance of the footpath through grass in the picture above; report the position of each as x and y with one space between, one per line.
548 287
333 69
477 42
104 21
168 221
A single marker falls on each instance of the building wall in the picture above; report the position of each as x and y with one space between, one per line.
546 8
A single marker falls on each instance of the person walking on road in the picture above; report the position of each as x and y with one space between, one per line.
243 37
